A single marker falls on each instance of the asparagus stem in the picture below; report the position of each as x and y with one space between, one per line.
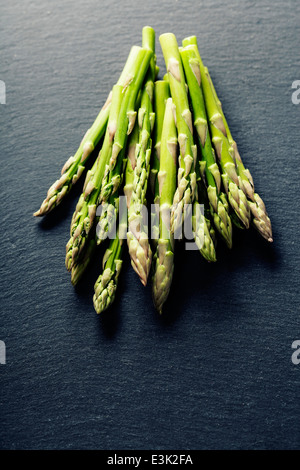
85 212
79 268
161 94
203 230
129 171
125 124
75 165
108 218
140 258
119 124
210 172
225 153
260 218
106 285
137 236
236 221
186 177
148 42
163 261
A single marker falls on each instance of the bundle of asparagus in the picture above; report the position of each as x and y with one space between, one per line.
166 141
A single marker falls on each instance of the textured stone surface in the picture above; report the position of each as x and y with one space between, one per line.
216 372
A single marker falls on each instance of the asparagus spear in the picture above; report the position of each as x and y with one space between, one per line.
140 259
137 236
204 233
163 262
148 42
106 285
110 209
186 177
85 212
108 217
233 188
260 218
126 120
203 230
122 116
129 171
210 172
79 268
161 94
75 165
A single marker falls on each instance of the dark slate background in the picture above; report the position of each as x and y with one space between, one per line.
215 372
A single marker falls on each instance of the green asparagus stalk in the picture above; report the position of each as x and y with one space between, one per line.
108 217
109 210
85 212
186 177
233 188
138 251
129 171
106 285
137 236
163 262
118 124
79 268
210 172
126 120
75 165
260 218
236 221
161 94
148 42
139 259
204 234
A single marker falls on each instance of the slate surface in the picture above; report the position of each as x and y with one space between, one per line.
216 372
